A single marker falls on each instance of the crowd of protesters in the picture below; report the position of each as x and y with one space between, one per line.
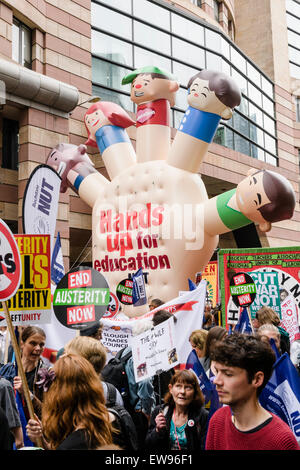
74 408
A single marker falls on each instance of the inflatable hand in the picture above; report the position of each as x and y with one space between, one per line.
156 214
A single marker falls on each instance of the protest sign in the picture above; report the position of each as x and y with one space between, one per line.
10 278
289 318
31 304
40 202
210 274
285 261
154 351
10 263
188 309
267 292
81 297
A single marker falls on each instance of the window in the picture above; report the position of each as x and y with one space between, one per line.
216 10
298 110
21 43
133 33
10 144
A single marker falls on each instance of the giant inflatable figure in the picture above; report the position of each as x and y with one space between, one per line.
154 212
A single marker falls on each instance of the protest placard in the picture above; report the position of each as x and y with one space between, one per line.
31 304
154 351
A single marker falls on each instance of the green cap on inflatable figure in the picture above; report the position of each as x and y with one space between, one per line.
153 211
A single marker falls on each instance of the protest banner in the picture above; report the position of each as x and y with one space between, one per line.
261 264
188 309
154 351
81 297
31 304
40 202
10 278
210 274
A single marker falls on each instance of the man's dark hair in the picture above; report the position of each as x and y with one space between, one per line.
281 194
247 352
225 88
161 316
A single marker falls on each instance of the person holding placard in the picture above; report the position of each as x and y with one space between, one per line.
181 423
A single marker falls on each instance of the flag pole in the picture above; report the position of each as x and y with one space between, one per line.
250 320
19 364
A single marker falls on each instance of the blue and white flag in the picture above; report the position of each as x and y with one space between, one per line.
206 385
57 263
139 296
281 395
244 324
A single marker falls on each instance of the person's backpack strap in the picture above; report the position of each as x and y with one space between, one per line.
126 357
111 394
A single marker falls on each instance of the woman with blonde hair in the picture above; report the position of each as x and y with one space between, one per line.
266 315
74 415
94 351
198 340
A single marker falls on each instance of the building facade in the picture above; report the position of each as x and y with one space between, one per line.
56 54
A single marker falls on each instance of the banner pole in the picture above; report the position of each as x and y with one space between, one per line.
19 363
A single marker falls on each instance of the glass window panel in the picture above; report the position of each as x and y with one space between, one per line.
178 115
292 22
26 46
241 145
143 57
183 73
256 135
213 61
257 152
110 75
15 42
238 60
270 144
224 136
295 71
116 50
294 54
124 5
226 67
181 99
241 124
188 53
267 86
109 95
212 40
151 13
270 159
253 74
293 7
268 105
294 38
225 48
187 29
255 114
152 38
269 125
254 94
110 21
243 106
240 80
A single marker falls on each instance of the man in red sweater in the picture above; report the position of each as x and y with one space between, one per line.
243 366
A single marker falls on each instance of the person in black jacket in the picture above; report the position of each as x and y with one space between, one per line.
181 423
